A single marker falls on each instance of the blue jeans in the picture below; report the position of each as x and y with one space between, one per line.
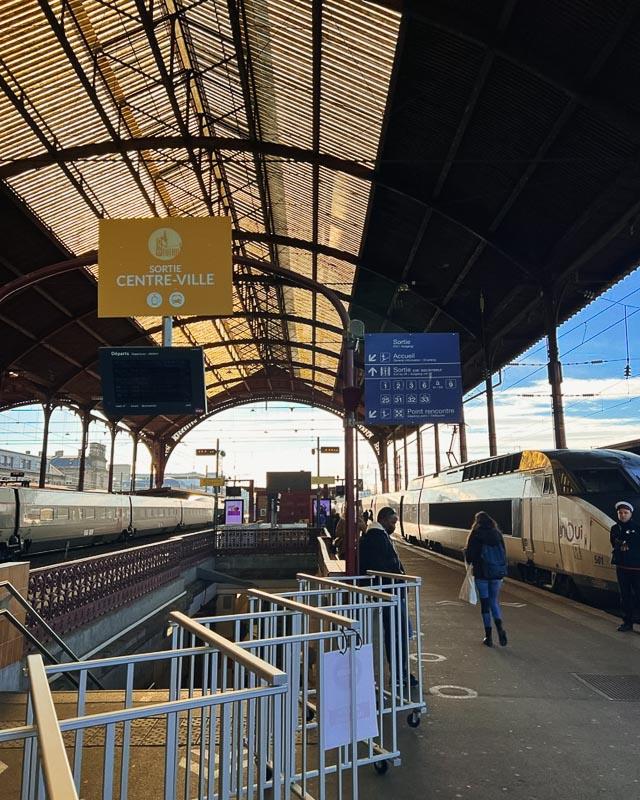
488 592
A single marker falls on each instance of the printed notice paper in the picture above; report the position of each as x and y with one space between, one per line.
335 700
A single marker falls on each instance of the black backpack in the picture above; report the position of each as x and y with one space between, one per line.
494 561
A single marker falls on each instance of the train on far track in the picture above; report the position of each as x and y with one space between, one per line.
37 520
554 507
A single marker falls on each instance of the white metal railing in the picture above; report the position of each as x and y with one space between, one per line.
242 720
320 742
54 773
400 637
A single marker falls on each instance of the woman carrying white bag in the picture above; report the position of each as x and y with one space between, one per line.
487 559
468 591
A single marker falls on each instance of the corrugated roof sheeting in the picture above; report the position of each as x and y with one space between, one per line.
358 48
343 207
292 198
281 55
111 86
336 275
69 216
245 194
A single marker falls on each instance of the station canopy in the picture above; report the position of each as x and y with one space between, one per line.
441 166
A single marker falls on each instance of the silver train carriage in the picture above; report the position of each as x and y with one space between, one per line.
554 507
35 520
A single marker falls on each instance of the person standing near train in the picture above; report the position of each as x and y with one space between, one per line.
625 556
377 552
486 551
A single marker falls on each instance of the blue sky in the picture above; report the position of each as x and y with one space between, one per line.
601 404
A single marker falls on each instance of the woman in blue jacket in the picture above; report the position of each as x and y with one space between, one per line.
486 551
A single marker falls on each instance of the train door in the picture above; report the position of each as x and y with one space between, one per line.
545 523
527 519
423 517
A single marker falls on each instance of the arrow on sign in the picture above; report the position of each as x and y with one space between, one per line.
373 414
372 371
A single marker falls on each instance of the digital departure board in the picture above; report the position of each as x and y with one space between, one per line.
141 381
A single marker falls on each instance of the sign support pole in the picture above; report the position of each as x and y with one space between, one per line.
167 331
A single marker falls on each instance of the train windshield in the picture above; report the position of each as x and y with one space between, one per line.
597 481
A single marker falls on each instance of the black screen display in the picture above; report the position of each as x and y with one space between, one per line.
152 380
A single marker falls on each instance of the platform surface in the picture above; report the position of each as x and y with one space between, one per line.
533 720
521 723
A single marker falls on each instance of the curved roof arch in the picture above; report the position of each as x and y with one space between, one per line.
459 167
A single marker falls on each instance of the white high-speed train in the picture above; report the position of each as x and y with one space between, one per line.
35 520
554 507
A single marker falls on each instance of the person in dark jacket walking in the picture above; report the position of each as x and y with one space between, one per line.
625 541
486 551
377 552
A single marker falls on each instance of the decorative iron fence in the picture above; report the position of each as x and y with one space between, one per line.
239 541
71 595
68 596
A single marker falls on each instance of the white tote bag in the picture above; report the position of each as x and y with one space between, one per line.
468 591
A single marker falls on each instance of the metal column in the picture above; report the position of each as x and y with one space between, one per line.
48 410
113 431
463 437
86 420
491 420
406 460
554 368
134 459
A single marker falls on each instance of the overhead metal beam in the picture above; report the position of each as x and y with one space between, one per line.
303 155
627 121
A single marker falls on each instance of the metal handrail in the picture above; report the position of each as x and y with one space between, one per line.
58 778
273 676
31 638
310 611
347 588
31 610
396 575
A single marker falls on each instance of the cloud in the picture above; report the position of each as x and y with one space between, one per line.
597 412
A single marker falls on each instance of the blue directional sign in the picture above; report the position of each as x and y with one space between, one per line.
412 378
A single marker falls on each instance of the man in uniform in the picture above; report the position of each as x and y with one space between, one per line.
625 541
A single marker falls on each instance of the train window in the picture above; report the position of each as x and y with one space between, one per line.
89 513
548 485
602 480
564 483
46 514
62 513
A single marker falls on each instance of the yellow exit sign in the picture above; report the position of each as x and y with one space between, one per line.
165 267
211 481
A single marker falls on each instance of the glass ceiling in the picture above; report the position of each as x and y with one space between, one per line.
311 74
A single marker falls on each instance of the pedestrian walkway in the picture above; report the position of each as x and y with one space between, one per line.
554 714
533 720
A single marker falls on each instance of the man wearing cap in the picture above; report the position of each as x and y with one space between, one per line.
377 552
625 541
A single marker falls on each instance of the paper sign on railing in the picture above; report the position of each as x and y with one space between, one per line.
335 699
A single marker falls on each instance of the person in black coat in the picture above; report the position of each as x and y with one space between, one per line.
377 552
486 551
625 543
